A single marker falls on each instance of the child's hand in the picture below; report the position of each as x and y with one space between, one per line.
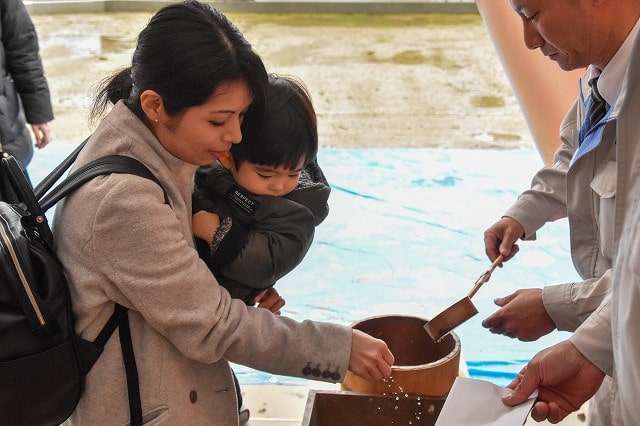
370 358
205 225
271 300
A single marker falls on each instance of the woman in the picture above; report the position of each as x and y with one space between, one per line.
179 106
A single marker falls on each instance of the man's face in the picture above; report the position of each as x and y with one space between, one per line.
563 30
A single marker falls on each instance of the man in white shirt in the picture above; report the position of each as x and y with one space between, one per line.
598 35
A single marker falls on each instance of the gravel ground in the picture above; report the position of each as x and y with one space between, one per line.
376 81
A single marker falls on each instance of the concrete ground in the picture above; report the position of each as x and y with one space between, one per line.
414 80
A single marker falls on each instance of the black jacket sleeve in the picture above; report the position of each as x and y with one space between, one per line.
21 61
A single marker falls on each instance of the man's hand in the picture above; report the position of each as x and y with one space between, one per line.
501 237
522 316
565 380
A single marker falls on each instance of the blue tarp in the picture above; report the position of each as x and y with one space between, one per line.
404 236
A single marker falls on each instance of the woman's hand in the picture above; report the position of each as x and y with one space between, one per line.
270 299
370 358
204 225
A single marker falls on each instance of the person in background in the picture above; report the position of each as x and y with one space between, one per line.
256 209
601 37
180 105
24 91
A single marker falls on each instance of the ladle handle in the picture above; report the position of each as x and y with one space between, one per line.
485 276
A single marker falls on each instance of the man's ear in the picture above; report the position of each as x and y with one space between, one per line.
152 105
227 161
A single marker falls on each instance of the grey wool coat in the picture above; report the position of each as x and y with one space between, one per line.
119 242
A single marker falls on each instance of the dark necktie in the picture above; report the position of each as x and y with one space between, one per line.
598 104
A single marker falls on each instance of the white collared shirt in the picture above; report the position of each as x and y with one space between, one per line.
613 75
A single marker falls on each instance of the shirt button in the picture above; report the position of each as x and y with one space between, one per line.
193 396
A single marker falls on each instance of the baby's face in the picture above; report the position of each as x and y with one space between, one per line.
267 180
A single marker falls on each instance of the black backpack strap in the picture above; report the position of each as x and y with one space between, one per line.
133 383
120 319
38 206
101 166
48 181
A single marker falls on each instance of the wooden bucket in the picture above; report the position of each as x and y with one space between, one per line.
422 367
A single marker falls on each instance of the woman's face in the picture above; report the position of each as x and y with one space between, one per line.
200 134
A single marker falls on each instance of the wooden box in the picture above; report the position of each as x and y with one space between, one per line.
344 408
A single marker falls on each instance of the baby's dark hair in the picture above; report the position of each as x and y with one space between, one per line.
286 133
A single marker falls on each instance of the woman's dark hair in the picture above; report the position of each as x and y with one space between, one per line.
184 53
286 133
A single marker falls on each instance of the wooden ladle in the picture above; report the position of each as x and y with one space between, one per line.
459 312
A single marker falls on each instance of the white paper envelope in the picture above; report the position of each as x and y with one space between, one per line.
473 402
